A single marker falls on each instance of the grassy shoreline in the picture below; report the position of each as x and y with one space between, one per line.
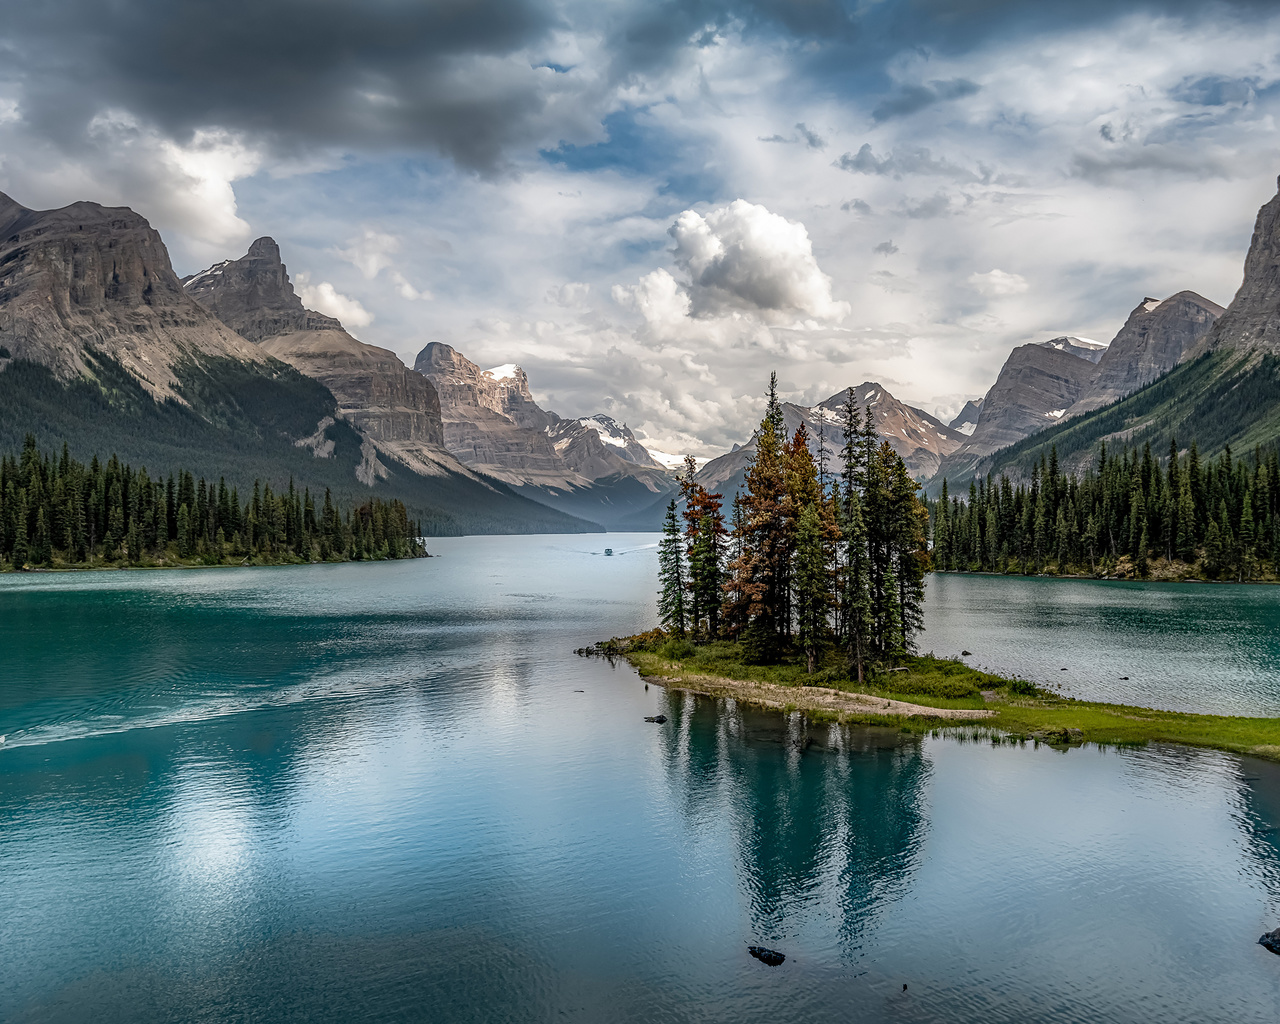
1013 708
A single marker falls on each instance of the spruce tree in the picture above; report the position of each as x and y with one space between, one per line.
671 573
813 597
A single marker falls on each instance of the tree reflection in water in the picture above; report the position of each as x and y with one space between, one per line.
827 820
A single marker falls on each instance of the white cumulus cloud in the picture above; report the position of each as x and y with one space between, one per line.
325 298
742 258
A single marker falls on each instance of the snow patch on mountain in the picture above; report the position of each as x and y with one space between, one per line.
507 371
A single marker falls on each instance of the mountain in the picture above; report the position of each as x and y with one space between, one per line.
1153 340
87 282
589 467
1036 386
396 409
1252 321
919 438
102 349
1225 391
968 418
620 440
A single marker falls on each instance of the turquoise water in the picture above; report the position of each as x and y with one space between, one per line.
391 792
1207 648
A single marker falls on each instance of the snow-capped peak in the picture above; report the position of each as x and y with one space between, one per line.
608 429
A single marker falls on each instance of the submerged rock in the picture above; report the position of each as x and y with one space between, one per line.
766 956
1271 941
656 719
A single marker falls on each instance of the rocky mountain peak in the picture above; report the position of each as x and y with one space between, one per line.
968 417
264 248
90 275
1252 321
1158 334
503 389
1081 348
254 296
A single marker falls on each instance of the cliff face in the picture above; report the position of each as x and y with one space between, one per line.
1153 340
94 276
1252 321
1036 386
394 407
479 431
493 424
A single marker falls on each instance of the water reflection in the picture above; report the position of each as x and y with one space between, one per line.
392 793
826 820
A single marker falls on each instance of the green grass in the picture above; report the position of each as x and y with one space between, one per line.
1022 711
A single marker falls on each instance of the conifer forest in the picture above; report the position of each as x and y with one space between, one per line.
1128 516
816 553
59 513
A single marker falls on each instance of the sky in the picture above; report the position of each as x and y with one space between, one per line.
651 206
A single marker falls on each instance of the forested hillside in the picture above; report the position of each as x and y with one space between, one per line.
239 423
1127 514
58 512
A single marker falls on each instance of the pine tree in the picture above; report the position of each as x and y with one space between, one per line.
671 573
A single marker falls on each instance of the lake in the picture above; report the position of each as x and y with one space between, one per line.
391 792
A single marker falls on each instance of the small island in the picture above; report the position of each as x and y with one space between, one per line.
812 601
924 693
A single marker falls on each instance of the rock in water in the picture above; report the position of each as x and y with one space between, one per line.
656 719
1272 941
766 956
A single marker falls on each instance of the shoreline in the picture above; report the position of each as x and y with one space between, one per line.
822 699
1009 707
1081 577
9 570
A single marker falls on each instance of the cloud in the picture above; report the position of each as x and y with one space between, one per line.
375 251
572 294
886 248
742 257
995 283
1214 90
539 142
455 78
811 138
901 162
937 205
324 298
913 98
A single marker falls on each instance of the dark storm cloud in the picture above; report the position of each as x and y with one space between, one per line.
296 72
476 80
